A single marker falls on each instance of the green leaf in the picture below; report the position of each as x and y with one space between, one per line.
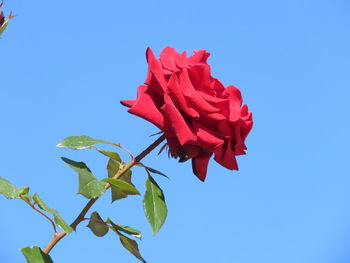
128 243
126 188
131 245
10 191
126 229
97 225
78 142
155 171
112 155
89 186
112 169
56 216
35 255
154 205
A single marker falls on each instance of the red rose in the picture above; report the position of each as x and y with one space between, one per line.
198 115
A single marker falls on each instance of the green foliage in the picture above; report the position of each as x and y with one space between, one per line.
89 186
97 225
155 171
56 217
35 255
129 244
123 186
78 142
154 205
10 191
113 167
126 229
112 155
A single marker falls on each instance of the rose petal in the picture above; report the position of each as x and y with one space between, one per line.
200 56
200 165
168 58
225 156
145 106
178 97
200 78
192 95
206 136
156 68
127 103
175 120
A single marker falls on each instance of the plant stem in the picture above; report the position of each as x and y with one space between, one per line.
81 216
32 205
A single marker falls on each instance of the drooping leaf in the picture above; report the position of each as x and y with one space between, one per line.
155 171
35 255
126 229
131 245
154 205
89 186
125 187
10 191
112 155
97 225
112 169
128 243
78 142
56 216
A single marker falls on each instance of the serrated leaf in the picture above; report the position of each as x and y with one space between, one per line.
35 255
126 229
10 191
126 188
99 229
78 142
154 205
113 155
128 243
89 186
56 216
112 169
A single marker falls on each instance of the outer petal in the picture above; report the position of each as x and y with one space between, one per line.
200 56
156 68
128 103
176 122
225 156
200 165
145 106
168 58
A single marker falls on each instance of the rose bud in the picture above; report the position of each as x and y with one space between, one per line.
198 115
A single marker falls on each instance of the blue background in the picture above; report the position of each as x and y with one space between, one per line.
65 65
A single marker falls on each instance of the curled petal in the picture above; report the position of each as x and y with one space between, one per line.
146 108
155 69
200 56
178 98
200 165
192 95
176 122
225 156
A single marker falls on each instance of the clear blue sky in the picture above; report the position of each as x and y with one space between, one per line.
65 65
